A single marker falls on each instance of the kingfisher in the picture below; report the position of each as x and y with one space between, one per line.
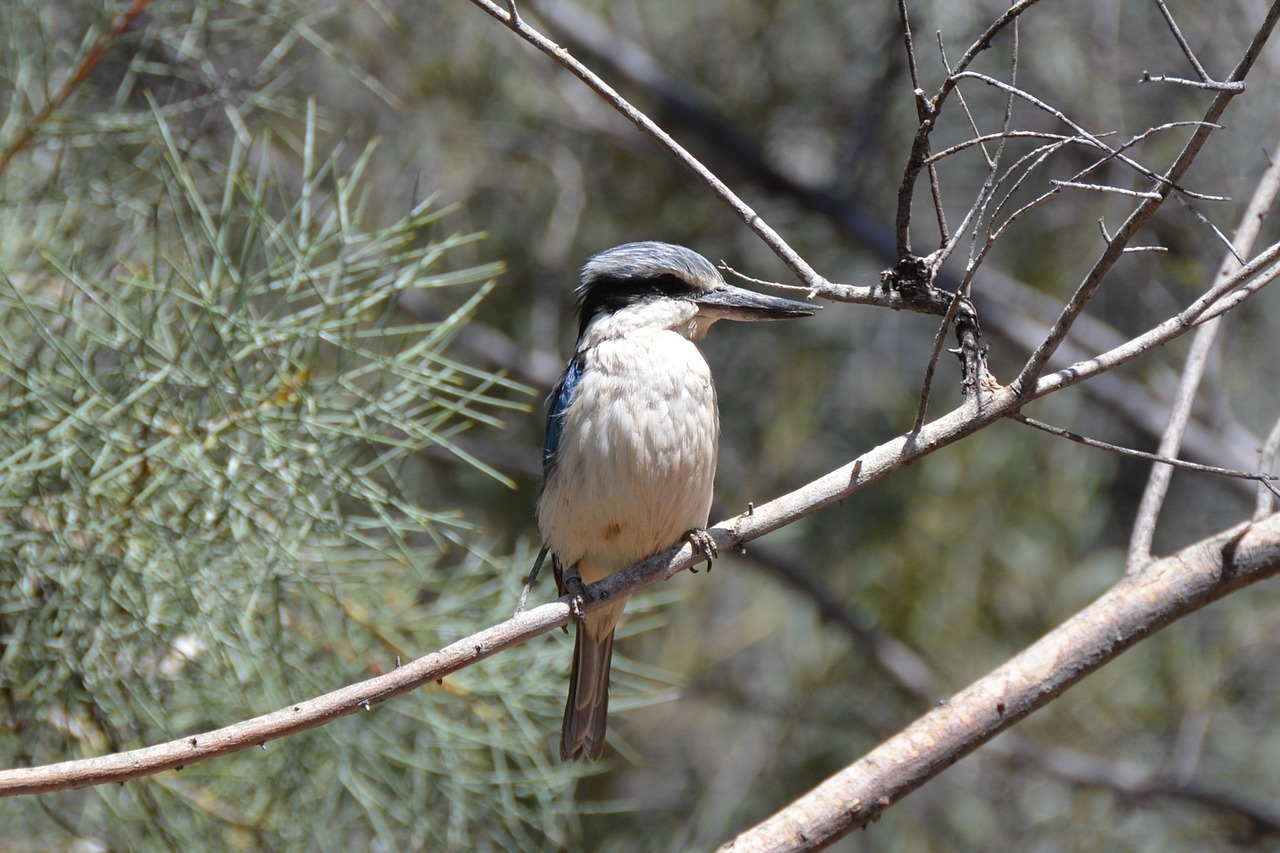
632 434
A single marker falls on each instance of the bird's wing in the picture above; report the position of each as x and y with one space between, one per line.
560 396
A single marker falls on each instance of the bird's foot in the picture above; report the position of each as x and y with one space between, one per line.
578 595
702 542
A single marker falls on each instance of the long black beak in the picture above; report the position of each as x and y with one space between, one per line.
727 302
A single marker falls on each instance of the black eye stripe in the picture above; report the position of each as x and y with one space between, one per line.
607 294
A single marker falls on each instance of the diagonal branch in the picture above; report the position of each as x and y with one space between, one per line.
1142 214
1203 81
651 129
1136 607
835 486
296 718
1144 526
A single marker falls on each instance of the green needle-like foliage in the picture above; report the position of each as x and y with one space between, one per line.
214 499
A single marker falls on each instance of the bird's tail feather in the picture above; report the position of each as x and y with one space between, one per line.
587 711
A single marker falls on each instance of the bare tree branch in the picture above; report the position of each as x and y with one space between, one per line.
299 717
1142 214
1012 308
908 669
1205 81
1144 526
1139 605
651 129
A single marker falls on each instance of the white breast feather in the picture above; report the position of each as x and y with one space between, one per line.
637 456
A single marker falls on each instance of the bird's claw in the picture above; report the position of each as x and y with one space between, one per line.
578 595
702 543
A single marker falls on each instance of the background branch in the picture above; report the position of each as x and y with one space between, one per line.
1153 497
1161 593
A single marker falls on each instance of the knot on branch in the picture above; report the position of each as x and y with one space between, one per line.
972 351
912 281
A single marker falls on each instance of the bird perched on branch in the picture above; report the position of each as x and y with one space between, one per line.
632 432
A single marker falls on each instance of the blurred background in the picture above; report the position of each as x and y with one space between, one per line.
285 285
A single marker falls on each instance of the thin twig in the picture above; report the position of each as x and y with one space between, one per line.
1035 365
1171 461
1182 43
741 276
1093 138
531 580
651 129
1036 159
991 137
924 112
1211 85
1104 188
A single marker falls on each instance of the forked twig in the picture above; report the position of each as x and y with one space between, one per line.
1204 81
1035 365
928 109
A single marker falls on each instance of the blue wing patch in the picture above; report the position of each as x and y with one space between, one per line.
560 396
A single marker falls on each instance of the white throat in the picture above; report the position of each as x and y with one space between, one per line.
675 315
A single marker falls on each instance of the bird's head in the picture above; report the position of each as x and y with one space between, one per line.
660 285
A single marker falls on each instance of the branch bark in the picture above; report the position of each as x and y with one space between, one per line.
844 481
1039 360
1139 605
991 404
